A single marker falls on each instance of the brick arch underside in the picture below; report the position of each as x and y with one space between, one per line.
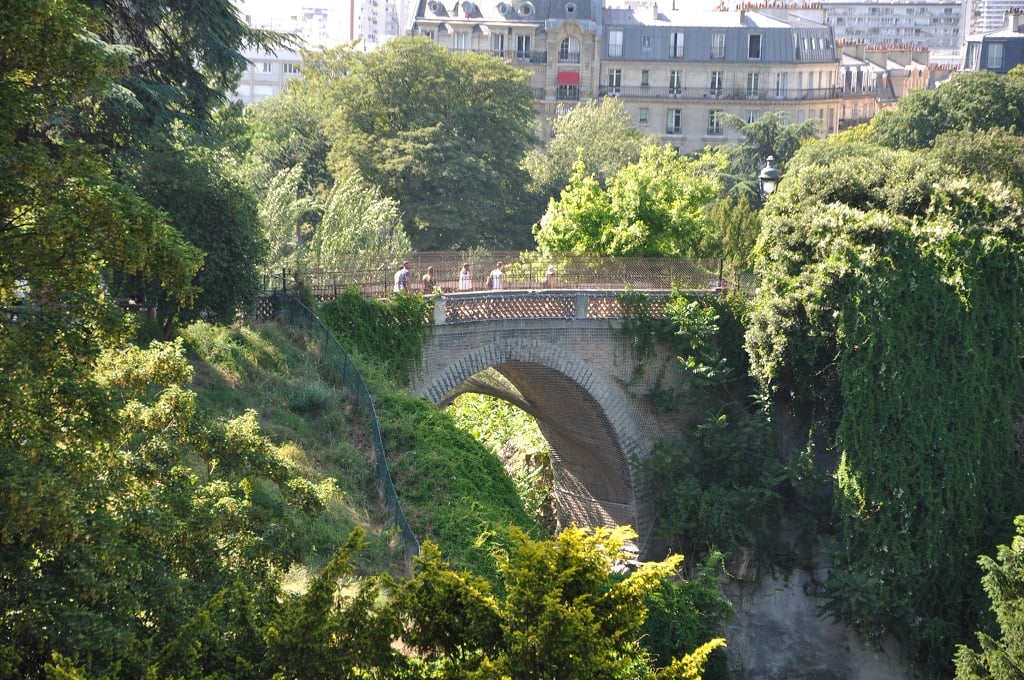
588 427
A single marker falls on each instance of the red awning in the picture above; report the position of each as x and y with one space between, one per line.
568 77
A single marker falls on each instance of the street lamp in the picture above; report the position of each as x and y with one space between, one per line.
769 177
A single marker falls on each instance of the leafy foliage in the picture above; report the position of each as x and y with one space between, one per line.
390 331
973 100
684 615
207 203
656 206
599 133
875 315
562 613
725 485
453 490
513 436
767 136
1003 580
441 133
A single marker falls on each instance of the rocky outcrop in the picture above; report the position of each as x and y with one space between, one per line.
778 633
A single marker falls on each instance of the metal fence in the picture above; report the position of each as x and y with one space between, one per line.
290 310
523 271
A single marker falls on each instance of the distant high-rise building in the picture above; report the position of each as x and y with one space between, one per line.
988 15
939 26
328 23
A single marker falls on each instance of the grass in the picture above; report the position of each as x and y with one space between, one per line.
453 489
273 371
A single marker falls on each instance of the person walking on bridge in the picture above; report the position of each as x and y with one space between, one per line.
465 278
402 278
497 279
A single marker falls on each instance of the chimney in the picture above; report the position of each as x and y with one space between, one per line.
1013 20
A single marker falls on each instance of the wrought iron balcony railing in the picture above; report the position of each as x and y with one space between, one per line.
727 94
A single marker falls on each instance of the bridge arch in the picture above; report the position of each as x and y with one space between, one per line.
563 373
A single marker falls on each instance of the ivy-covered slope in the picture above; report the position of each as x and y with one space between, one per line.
889 324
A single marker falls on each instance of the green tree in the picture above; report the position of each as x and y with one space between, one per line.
563 614
1003 580
599 133
656 206
767 136
974 100
995 154
287 131
208 204
441 133
734 230
185 56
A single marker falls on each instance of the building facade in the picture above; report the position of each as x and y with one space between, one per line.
675 70
986 16
997 51
266 75
874 78
937 25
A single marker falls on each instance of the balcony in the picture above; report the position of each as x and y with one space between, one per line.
568 57
729 94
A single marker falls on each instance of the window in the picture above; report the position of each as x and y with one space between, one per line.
429 35
267 67
754 46
753 84
716 83
675 46
569 51
994 58
642 116
714 124
718 45
674 122
615 42
645 78
523 47
498 44
753 116
614 80
291 68
645 43
460 41
568 93
781 85
675 82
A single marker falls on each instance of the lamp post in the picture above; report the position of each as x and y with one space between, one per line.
769 177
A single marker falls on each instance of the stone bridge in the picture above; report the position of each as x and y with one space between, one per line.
566 362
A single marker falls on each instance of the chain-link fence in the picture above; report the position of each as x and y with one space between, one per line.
290 310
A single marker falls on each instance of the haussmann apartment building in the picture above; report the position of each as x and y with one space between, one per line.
673 68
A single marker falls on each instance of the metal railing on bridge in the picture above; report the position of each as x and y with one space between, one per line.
523 271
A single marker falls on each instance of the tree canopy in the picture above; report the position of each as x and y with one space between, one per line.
973 100
599 133
656 206
442 133
1003 579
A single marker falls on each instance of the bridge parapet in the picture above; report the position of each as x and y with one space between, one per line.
538 304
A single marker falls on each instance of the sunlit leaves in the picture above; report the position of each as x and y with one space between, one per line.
654 207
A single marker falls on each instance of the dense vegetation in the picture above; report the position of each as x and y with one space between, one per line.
155 523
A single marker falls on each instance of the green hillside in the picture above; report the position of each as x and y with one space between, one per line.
452 488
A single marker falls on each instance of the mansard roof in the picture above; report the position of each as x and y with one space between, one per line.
794 39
